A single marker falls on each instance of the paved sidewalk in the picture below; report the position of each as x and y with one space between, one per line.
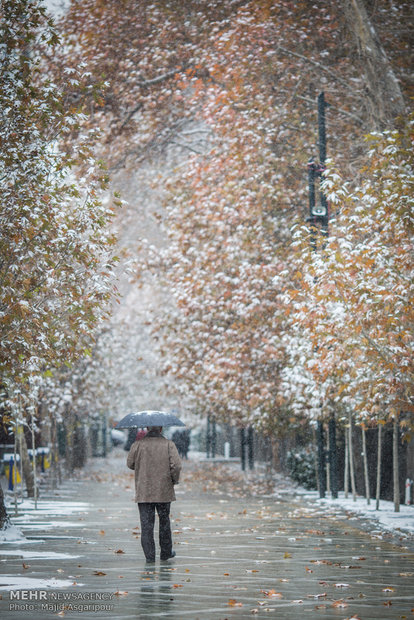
238 556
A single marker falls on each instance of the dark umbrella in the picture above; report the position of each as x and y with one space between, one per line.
149 418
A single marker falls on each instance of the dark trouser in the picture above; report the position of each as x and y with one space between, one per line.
147 516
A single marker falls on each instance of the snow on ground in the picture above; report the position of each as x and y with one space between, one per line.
11 534
38 555
51 507
400 523
13 582
386 518
29 514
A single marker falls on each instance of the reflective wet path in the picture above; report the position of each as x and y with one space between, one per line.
238 556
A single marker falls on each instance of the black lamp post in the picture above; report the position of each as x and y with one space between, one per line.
319 220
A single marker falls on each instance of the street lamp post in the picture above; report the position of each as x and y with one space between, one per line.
319 220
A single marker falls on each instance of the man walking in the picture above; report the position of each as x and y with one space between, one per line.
157 467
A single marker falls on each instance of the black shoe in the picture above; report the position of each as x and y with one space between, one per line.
150 560
173 554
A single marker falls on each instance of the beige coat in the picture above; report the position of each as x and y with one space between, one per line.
157 467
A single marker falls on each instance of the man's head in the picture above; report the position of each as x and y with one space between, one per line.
154 429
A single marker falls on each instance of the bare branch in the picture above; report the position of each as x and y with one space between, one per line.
315 63
163 77
131 114
340 110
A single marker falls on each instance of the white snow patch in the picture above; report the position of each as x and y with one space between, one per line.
37 555
52 507
386 517
44 525
11 582
11 534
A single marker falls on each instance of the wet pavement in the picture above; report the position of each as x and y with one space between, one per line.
238 556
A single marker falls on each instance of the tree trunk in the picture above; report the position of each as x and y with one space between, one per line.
379 455
384 92
276 462
315 459
26 464
351 459
346 472
54 463
409 474
35 490
69 422
4 517
328 465
365 457
395 468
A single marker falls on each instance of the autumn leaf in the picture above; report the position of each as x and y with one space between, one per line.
322 595
272 593
233 603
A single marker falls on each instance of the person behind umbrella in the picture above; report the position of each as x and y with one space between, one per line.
157 467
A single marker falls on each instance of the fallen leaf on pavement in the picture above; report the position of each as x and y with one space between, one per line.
233 603
272 593
323 595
